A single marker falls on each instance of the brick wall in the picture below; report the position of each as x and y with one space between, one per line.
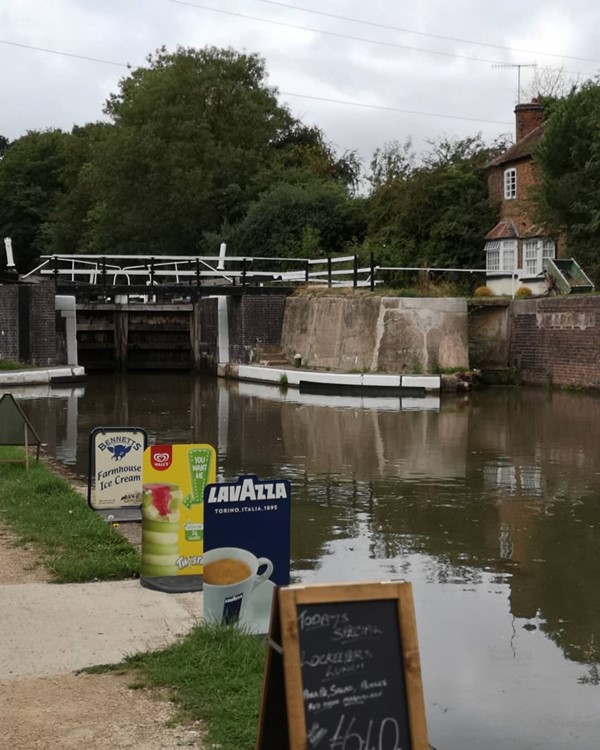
520 210
28 323
254 320
42 325
9 325
556 341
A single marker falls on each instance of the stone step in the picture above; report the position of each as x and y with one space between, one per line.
268 350
271 355
280 362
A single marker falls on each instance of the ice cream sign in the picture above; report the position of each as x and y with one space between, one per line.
116 456
174 478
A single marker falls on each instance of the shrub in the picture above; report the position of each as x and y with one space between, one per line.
483 291
523 291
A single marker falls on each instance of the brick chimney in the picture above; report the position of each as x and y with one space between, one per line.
528 117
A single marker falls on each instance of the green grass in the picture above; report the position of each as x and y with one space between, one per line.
6 364
75 544
215 674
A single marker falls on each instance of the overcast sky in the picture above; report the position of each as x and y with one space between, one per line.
41 90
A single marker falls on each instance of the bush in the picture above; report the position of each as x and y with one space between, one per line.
523 291
483 291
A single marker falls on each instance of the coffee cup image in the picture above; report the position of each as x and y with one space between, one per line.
160 529
231 575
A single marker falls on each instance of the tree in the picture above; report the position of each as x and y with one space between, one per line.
67 223
436 213
549 84
4 144
29 186
192 145
569 161
309 220
304 154
393 162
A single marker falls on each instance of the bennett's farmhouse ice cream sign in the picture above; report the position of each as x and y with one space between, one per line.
116 460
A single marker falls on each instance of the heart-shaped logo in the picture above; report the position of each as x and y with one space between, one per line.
161 457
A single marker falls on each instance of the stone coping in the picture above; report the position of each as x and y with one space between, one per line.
41 376
293 376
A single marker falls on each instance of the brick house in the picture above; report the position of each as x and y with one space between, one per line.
516 248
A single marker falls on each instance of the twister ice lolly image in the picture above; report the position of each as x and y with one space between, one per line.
160 529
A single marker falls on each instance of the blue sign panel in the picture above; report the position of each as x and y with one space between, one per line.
254 515
246 549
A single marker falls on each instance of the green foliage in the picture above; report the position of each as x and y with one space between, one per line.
570 166
67 224
436 213
190 148
4 144
76 544
7 364
30 182
308 220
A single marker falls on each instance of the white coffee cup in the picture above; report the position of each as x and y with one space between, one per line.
228 602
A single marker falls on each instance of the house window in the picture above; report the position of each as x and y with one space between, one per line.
492 250
535 255
501 256
509 255
510 184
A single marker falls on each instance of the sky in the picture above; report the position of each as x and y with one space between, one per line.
425 69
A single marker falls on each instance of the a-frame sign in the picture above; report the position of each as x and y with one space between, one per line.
16 429
343 670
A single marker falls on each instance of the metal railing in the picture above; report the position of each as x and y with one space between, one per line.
138 271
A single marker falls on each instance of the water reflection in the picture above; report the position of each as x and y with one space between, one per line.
488 504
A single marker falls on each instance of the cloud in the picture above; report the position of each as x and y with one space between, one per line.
40 90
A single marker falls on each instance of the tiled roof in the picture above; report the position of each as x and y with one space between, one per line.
536 230
523 149
504 230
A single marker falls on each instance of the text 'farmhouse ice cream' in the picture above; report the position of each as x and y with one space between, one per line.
160 529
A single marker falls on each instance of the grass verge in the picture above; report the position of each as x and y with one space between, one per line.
7 364
216 673
75 544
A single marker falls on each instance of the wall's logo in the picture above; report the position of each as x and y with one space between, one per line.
161 457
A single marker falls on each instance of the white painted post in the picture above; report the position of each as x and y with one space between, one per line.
10 263
222 251
223 331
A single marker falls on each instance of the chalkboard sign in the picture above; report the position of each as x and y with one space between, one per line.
349 659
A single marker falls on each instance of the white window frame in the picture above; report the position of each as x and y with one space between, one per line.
501 257
510 184
536 252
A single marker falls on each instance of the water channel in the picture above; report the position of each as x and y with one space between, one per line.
489 503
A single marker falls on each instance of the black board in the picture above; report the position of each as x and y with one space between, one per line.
343 670
354 692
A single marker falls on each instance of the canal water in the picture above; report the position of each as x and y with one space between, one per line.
489 503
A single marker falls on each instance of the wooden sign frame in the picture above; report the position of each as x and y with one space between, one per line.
282 717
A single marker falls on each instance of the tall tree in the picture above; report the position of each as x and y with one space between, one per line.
30 174
301 220
67 224
435 213
569 159
193 137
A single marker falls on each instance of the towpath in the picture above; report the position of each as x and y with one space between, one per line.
49 632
